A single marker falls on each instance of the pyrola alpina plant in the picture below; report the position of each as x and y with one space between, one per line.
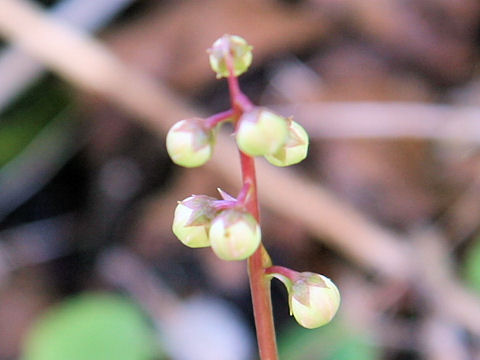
230 225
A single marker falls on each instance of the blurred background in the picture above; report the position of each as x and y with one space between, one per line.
387 204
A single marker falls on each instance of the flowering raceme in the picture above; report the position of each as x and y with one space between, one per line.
230 226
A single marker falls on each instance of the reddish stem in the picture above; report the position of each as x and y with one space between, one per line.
240 102
250 182
259 283
288 273
214 120
244 194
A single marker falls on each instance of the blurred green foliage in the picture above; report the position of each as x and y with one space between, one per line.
91 327
472 265
22 121
336 341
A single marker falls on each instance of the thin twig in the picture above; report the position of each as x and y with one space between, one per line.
438 283
442 340
88 64
123 269
462 218
18 70
388 120
34 243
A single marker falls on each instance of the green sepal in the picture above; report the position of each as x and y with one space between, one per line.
294 137
301 287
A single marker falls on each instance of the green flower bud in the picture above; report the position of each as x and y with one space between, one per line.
192 220
261 132
189 143
314 300
239 50
295 148
234 235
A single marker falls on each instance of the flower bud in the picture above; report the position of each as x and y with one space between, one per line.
261 132
295 148
234 235
189 143
192 220
239 51
314 300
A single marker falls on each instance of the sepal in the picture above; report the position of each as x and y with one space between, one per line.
192 220
295 148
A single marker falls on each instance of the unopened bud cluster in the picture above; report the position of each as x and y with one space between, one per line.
259 131
225 225
233 233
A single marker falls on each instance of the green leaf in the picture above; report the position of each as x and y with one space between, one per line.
336 341
472 265
91 327
24 119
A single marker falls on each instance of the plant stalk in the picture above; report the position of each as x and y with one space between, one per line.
259 283
281 270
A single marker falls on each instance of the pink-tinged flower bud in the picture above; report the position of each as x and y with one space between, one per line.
295 148
238 50
192 220
314 300
261 132
234 235
189 143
